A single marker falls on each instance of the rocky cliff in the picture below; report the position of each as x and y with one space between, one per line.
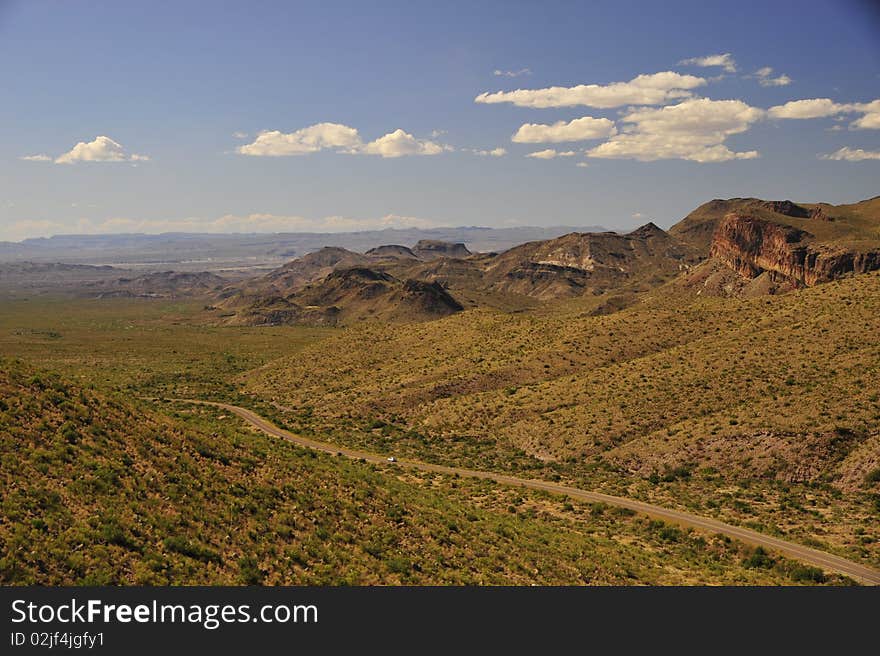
751 246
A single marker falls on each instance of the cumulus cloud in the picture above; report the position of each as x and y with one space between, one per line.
765 78
693 130
519 73
338 137
825 107
102 149
808 108
580 129
870 120
852 155
399 144
550 153
724 61
495 152
653 89
321 136
36 158
582 165
230 223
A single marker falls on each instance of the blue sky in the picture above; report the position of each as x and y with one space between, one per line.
265 116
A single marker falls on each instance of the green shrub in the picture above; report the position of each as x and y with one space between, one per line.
807 574
399 564
759 559
249 571
181 545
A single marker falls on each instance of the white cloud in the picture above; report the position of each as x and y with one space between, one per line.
582 165
580 129
338 137
638 215
520 72
398 221
852 155
321 136
654 89
868 122
780 81
808 108
495 152
724 61
825 107
260 223
102 149
238 134
400 143
543 154
765 79
693 130
871 118
36 158
550 153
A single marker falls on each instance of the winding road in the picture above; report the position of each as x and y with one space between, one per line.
799 552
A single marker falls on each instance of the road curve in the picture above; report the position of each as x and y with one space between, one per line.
799 552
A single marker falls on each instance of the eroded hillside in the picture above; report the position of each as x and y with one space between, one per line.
772 390
440 278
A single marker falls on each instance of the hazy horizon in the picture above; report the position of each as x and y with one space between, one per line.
438 228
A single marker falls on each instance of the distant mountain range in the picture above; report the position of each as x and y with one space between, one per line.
215 252
436 278
735 247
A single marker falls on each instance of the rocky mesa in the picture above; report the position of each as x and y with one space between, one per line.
751 246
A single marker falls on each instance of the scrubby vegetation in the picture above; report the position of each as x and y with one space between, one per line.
141 346
99 491
759 411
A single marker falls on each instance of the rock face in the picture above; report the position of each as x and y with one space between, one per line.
751 246
698 227
818 213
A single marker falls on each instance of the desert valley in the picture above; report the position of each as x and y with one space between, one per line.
725 368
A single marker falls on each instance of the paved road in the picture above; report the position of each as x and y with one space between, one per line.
799 552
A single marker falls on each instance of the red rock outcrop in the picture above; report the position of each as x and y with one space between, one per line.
818 213
751 246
